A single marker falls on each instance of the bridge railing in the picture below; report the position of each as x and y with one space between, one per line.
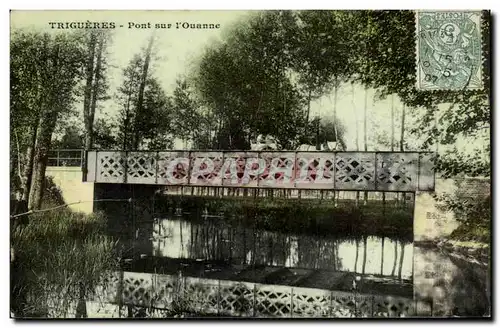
369 171
65 157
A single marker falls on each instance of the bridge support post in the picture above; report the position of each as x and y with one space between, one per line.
430 225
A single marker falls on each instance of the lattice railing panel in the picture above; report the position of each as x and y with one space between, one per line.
311 303
236 171
236 299
371 171
111 167
137 288
141 167
173 167
206 168
273 301
279 171
355 171
397 171
314 171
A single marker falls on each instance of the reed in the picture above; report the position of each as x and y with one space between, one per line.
60 257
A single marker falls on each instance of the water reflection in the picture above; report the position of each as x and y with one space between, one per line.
213 239
453 286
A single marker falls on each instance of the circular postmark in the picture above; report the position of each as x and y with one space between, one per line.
449 51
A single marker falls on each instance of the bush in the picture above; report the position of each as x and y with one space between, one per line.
59 258
472 212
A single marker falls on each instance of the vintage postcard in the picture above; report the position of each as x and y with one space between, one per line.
257 164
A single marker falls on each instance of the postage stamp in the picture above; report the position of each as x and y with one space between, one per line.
449 55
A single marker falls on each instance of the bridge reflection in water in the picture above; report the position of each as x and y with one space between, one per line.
209 251
212 268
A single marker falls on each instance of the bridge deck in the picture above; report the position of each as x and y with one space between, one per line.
370 171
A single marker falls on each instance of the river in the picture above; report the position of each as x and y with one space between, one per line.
211 247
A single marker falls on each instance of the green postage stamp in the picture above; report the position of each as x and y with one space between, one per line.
449 52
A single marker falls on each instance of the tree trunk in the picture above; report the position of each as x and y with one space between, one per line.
335 125
127 121
89 141
87 97
401 260
335 92
46 127
357 131
395 258
28 166
357 256
364 255
365 135
382 260
46 124
30 152
401 140
142 86
392 123
309 95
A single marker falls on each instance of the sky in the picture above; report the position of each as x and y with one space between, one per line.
176 51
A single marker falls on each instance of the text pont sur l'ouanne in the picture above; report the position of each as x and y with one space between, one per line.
132 25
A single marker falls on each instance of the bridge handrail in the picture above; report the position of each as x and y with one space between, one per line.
356 170
65 161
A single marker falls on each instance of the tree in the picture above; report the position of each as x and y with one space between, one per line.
389 68
188 120
95 88
71 138
137 127
126 98
45 70
244 81
104 137
141 97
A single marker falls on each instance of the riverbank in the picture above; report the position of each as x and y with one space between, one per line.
470 251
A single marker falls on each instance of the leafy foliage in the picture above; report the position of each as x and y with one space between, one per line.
472 211
244 80
152 133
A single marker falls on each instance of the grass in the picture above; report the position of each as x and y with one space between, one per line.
60 257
